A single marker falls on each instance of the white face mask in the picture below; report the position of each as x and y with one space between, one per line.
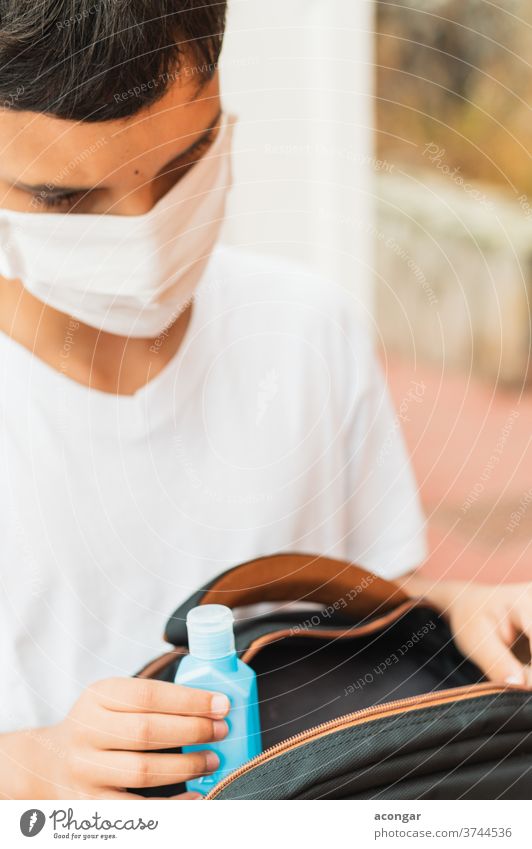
129 275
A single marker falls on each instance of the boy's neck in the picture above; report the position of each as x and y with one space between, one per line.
102 361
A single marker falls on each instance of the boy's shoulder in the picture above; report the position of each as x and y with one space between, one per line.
240 277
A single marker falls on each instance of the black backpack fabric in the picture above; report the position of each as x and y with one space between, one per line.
364 696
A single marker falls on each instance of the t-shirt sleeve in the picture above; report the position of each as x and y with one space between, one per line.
387 526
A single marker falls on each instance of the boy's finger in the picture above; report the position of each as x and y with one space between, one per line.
492 655
146 731
149 696
139 769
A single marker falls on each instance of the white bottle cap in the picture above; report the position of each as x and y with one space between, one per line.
210 631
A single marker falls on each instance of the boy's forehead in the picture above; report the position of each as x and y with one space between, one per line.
34 147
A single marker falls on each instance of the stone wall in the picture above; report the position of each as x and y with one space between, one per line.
454 265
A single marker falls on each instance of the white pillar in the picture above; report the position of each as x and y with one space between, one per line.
299 74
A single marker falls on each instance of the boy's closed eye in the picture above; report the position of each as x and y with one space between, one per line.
70 200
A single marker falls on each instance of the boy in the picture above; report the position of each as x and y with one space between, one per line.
169 407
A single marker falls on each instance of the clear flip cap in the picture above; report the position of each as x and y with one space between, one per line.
210 631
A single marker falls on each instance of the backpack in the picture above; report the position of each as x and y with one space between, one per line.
363 695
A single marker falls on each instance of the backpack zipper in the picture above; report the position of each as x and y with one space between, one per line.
375 712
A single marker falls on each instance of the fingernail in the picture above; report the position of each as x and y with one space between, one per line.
514 679
212 761
220 704
220 729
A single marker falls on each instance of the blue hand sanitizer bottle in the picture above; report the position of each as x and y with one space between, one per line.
212 664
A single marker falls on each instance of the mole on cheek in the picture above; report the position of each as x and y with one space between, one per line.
136 171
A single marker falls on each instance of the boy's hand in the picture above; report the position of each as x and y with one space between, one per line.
108 740
485 619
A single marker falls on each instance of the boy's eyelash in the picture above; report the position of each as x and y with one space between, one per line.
191 157
54 201
200 144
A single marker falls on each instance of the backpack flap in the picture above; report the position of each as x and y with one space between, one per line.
346 591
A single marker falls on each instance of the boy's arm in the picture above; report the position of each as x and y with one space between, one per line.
486 621
21 764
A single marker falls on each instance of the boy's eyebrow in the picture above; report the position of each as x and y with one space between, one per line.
50 189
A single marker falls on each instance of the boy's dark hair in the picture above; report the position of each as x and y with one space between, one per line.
96 60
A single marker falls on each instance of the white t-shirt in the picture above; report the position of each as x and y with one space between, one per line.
270 430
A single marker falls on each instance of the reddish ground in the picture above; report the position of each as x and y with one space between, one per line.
471 447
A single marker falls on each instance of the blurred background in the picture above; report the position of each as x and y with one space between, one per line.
453 298
386 144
